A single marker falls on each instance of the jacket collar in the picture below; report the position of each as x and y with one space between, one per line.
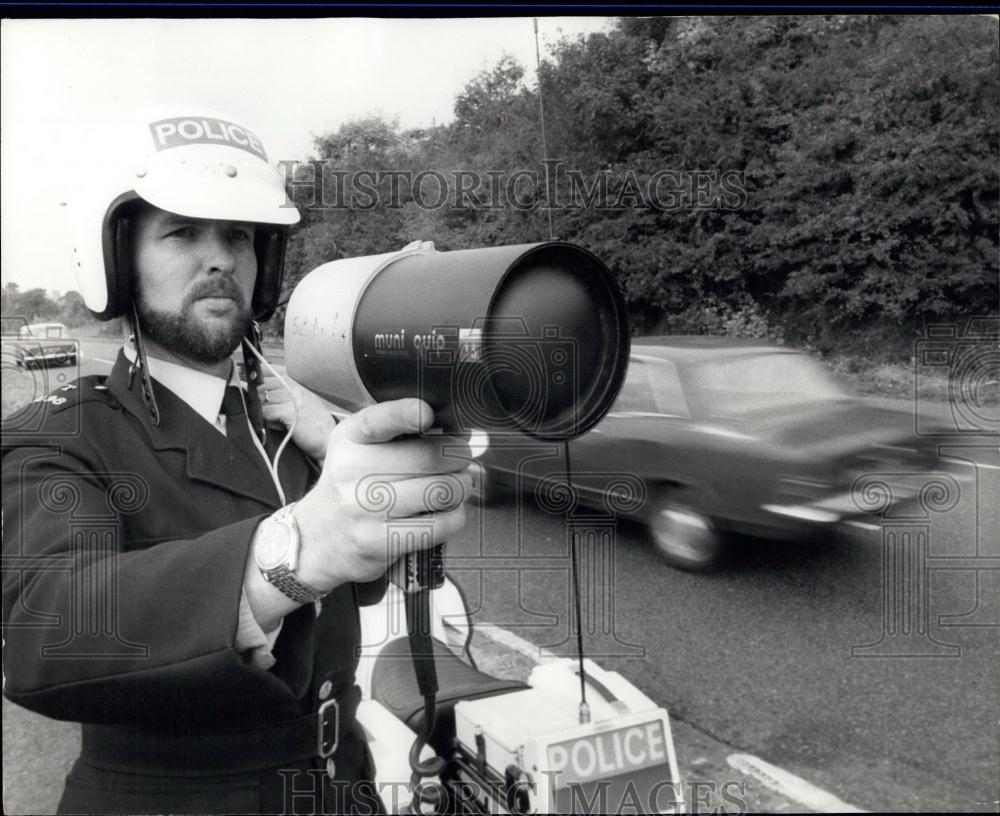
202 392
210 456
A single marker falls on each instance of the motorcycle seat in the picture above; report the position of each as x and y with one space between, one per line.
394 684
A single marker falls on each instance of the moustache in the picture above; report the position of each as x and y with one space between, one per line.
221 288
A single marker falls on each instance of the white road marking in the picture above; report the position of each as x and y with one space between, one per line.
507 638
789 785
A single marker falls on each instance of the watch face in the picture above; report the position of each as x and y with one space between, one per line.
272 545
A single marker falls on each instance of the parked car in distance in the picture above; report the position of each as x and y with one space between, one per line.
44 343
716 436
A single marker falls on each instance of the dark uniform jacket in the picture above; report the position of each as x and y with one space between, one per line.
125 546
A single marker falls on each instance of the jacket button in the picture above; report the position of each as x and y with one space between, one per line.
325 689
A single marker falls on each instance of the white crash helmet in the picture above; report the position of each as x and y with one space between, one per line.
184 159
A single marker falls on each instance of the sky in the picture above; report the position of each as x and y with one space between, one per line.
290 80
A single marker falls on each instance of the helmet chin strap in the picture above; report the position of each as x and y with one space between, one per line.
140 363
251 365
251 342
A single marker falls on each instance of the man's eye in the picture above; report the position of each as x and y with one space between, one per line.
240 234
181 232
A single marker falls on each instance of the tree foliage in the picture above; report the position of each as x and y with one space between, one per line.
865 150
38 306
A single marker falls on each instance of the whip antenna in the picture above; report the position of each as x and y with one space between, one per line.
541 116
574 556
584 709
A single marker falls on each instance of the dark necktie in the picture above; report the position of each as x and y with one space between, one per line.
237 428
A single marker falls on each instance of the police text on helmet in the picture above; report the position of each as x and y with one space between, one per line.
179 131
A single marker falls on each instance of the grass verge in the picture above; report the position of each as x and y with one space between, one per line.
880 378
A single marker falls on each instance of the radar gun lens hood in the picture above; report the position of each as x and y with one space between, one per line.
531 338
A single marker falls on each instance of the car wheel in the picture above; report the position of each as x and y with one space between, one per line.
686 539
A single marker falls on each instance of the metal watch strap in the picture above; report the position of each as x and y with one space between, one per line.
284 579
281 577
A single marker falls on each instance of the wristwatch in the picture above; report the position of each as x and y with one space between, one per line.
276 551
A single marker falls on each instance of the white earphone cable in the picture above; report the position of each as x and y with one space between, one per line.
291 428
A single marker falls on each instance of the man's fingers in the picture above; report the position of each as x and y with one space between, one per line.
280 413
407 458
410 497
387 420
448 524
272 392
433 528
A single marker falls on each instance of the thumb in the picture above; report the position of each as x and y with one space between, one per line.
387 420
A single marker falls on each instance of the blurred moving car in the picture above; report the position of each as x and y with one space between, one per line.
44 343
714 436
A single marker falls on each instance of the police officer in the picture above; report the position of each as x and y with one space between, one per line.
173 580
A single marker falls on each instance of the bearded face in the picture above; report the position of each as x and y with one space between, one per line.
194 281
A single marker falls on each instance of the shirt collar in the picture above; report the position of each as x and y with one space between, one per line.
202 392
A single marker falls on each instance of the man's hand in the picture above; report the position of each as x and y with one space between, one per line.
383 493
314 423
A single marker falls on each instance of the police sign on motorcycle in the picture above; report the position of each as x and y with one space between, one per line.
511 747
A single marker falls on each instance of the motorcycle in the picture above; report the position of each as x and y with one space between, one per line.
502 746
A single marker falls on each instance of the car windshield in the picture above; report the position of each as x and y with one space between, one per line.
739 386
651 387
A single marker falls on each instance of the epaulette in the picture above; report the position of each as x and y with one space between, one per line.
85 389
48 419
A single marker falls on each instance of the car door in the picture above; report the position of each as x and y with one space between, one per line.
632 445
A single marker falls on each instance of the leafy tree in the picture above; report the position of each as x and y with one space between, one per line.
846 167
72 309
868 150
345 211
34 305
495 142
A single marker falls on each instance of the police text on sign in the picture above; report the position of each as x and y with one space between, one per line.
608 753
